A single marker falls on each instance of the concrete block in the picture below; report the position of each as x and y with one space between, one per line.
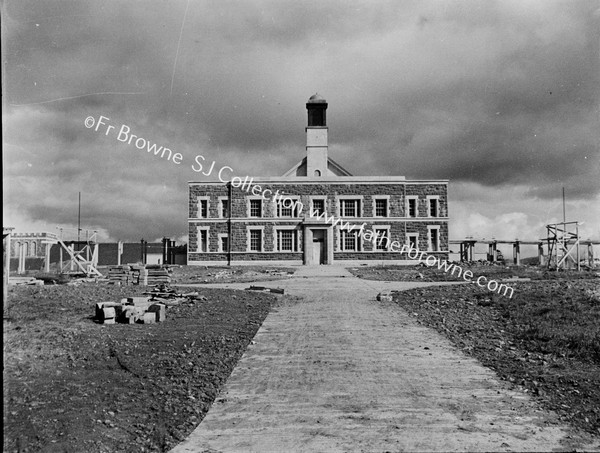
109 321
101 305
108 313
149 317
129 315
160 310
137 300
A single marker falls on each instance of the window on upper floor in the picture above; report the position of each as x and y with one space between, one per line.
224 208
433 207
202 209
412 207
255 208
318 207
350 208
381 207
288 208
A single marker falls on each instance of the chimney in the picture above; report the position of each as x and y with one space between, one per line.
316 137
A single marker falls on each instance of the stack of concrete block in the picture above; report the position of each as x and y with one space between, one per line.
140 274
131 310
121 275
128 274
158 275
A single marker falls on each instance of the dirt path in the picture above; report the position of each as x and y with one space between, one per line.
343 372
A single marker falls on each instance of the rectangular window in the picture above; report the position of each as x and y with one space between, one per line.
256 240
413 241
318 207
412 207
255 208
350 208
382 239
349 240
434 234
381 207
202 209
288 208
225 209
433 207
224 244
203 241
286 240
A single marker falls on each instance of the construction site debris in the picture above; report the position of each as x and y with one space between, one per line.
265 289
139 274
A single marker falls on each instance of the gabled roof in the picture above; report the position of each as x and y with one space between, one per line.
333 169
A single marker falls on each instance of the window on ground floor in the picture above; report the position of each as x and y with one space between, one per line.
256 240
434 240
349 241
287 241
203 241
412 241
381 238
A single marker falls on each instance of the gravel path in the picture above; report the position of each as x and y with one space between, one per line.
340 371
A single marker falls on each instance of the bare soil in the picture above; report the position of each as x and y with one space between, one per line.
73 385
423 273
545 339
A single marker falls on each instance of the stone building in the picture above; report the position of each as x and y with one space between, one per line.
316 213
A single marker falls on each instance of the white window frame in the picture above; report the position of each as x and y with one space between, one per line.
199 229
376 239
248 204
412 235
262 238
381 197
437 205
199 200
221 200
312 200
297 237
430 247
408 200
295 207
359 198
359 239
221 236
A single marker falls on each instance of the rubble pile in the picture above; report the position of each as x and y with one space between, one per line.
130 311
148 309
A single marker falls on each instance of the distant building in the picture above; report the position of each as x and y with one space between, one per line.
316 213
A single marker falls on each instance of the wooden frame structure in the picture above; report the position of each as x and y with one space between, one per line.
562 240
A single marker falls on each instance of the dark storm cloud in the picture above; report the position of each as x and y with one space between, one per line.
496 93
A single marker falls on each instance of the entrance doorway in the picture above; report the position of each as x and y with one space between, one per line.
319 252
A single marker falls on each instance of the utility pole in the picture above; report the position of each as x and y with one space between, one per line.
79 222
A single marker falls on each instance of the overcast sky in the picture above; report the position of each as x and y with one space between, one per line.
501 98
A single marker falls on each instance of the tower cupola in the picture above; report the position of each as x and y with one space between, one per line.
316 137
317 109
